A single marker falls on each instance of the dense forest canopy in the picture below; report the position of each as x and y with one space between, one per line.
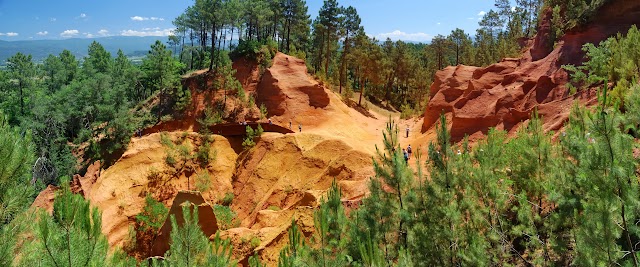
534 199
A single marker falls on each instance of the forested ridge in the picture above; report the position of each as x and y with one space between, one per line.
535 199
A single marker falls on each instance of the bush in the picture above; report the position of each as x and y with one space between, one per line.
406 111
170 159
248 141
204 154
210 117
227 199
255 242
227 219
263 111
247 48
274 208
203 181
152 216
153 175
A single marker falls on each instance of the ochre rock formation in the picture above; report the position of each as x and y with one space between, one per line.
287 90
286 171
504 94
45 199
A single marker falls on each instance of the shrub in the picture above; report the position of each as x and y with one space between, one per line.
166 140
263 111
210 117
170 159
203 154
227 219
274 208
248 141
227 199
248 48
152 216
255 242
154 174
406 111
203 181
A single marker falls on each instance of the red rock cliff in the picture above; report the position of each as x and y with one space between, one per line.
504 94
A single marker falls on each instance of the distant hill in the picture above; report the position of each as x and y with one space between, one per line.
41 49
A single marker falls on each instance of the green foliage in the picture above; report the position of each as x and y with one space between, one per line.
255 242
190 247
204 155
274 208
254 261
226 217
330 221
263 111
211 117
293 253
227 199
616 59
203 181
72 236
152 216
574 12
249 140
16 155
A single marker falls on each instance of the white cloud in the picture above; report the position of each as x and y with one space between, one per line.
83 15
481 13
151 29
2 34
88 35
69 33
139 18
43 33
400 35
103 32
53 19
150 32
12 34
439 23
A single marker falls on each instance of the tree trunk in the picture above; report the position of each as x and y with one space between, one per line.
344 58
213 46
326 64
361 91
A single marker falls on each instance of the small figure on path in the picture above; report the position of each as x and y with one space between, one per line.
406 155
270 122
300 127
409 151
407 131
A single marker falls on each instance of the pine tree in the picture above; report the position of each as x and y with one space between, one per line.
293 253
330 222
190 247
16 155
72 236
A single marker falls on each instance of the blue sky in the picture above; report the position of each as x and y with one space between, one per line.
410 20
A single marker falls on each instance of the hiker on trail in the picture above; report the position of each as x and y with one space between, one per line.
290 125
407 131
409 151
300 127
270 121
406 155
